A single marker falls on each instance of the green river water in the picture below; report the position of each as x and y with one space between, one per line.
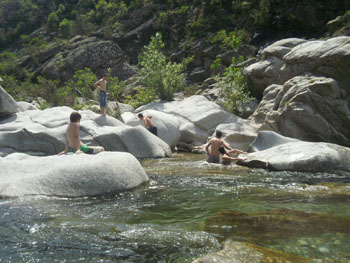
186 210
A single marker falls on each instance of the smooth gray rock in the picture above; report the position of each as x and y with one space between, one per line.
167 125
292 57
198 117
7 104
308 107
276 152
24 106
71 175
43 132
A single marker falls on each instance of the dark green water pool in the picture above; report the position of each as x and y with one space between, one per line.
186 210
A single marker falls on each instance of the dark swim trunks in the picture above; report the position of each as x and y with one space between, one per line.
103 98
153 129
213 159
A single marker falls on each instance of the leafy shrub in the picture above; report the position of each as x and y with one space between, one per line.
142 97
115 88
234 88
227 41
164 77
84 80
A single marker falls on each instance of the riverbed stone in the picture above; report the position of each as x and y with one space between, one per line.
276 152
43 133
242 252
70 175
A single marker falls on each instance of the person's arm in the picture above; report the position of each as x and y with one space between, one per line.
76 140
207 147
229 158
96 84
236 151
225 144
66 147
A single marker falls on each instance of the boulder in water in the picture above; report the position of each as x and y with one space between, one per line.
70 175
276 152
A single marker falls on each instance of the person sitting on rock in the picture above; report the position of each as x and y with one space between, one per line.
226 159
212 148
73 138
148 123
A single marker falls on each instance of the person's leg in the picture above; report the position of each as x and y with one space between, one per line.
153 130
103 102
97 149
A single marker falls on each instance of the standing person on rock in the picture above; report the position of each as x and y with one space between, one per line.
102 83
73 138
149 125
213 146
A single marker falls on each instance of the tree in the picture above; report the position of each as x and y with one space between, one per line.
157 73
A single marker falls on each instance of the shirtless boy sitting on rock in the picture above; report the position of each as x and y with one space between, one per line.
73 138
213 146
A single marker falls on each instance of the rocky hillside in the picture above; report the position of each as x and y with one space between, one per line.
55 38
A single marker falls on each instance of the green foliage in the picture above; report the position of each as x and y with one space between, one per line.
227 41
84 80
66 27
164 77
116 88
143 96
234 88
216 63
8 63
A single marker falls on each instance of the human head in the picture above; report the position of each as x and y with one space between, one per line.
105 76
218 134
75 116
140 116
222 150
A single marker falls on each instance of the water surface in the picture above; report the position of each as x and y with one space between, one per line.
186 210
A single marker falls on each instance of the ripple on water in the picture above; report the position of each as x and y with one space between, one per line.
175 217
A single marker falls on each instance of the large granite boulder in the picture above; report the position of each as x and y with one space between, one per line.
288 58
306 107
43 133
71 175
167 125
198 117
276 152
81 52
7 104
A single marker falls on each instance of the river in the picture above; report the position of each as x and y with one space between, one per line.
186 210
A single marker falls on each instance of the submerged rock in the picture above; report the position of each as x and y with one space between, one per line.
276 223
276 152
71 175
241 252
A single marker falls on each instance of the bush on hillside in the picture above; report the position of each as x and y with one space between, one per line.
157 73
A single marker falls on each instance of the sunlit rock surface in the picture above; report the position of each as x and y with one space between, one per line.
276 152
71 175
43 133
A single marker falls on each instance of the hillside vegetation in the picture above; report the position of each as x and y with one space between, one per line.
27 27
